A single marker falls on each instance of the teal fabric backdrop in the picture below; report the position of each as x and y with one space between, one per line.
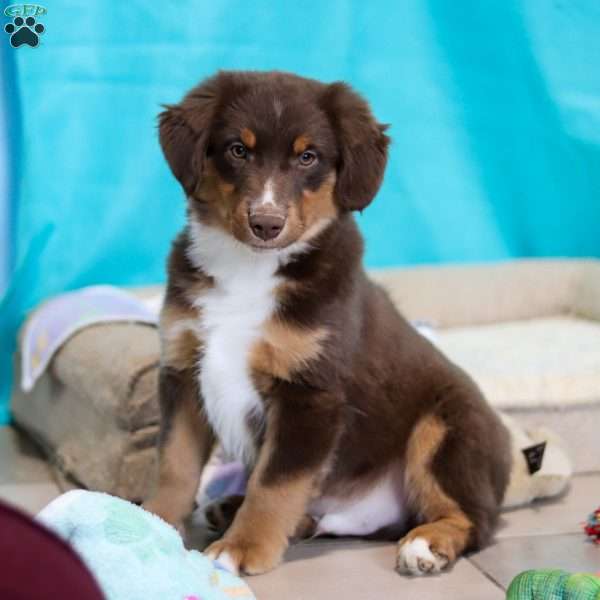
494 108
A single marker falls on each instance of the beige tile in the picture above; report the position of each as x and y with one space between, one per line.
562 515
31 497
364 571
509 557
20 460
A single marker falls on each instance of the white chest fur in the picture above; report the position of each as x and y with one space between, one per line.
232 313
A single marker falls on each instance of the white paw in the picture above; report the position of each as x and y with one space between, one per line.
224 560
416 558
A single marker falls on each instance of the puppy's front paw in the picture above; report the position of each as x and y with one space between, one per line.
238 555
416 557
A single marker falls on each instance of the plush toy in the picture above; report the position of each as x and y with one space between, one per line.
552 471
544 584
135 555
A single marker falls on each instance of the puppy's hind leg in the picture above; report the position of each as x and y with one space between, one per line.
452 520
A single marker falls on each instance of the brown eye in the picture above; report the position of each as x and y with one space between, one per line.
238 150
307 158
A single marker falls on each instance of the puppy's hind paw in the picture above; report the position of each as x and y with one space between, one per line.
415 557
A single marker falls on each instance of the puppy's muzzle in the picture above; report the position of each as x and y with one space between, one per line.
266 226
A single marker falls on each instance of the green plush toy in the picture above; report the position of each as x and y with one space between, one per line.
134 554
554 584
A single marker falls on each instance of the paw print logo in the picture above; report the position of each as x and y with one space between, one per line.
24 31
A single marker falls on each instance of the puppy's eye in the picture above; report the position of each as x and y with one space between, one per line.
307 158
238 150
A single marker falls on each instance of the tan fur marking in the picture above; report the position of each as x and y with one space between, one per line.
248 137
225 188
284 349
301 143
319 204
285 288
180 344
269 516
447 528
219 195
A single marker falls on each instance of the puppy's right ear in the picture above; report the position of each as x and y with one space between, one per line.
184 130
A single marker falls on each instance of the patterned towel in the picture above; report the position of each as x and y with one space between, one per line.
135 555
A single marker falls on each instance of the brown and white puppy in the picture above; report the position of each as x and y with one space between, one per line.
276 344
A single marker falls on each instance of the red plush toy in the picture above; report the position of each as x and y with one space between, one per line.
592 527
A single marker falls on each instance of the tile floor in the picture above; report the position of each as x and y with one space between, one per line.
547 534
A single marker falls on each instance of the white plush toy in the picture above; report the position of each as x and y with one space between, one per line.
554 474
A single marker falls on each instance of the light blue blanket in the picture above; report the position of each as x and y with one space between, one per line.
134 554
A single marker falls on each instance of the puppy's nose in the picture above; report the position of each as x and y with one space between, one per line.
266 227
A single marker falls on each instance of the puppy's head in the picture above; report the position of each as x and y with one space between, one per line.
272 158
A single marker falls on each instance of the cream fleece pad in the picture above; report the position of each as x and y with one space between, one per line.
543 372
553 362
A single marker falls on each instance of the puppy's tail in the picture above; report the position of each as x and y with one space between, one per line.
555 472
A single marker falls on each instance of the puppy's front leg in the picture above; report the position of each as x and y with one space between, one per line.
186 441
302 430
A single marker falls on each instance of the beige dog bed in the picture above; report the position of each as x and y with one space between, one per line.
528 332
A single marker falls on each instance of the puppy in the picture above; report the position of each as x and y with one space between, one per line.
277 345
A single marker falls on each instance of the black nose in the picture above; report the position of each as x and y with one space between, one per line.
266 227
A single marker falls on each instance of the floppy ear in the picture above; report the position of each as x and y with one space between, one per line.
362 146
184 130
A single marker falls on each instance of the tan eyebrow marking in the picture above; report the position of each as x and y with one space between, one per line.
248 137
301 143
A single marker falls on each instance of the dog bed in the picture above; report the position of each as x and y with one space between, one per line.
527 331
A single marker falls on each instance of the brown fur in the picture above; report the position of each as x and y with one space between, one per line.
186 439
349 389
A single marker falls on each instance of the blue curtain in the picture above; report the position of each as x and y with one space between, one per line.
494 108
5 170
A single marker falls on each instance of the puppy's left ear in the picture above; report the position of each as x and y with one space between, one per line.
362 145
